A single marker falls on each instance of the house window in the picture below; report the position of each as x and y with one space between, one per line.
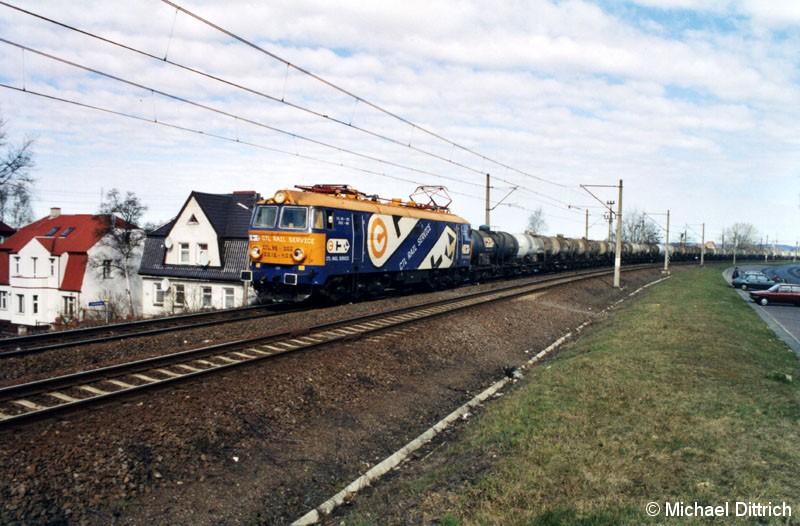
35 304
158 296
193 220
16 265
227 298
184 253
67 232
106 268
180 295
202 253
33 264
52 231
20 304
206 297
52 266
69 307
3 300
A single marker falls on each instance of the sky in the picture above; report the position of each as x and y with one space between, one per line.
694 105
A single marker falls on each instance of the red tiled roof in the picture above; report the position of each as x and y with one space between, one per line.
73 275
83 236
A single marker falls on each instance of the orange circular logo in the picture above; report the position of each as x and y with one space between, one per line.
378 238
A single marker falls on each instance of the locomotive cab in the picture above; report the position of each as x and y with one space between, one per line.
287 248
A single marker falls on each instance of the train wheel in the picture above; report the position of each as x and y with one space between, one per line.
336 290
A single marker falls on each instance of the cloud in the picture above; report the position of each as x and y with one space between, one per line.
668 95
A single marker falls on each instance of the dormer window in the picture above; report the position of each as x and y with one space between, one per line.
67 232
52 231
193 221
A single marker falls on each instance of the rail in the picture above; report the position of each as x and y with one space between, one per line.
64 393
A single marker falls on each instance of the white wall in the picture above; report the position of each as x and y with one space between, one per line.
35 284
193 296
193 234
96 287
43 302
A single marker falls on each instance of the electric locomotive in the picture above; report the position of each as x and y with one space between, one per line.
338 243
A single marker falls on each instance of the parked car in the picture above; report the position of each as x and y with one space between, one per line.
778 293
753 281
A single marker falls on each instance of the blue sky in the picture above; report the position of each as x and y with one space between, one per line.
693 104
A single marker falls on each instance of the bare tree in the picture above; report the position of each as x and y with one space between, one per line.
638 228
119 217
742 235
16 182
536 222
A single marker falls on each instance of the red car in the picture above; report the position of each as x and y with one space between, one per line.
778 293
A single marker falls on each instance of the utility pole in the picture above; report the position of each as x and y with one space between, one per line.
586 228
586 222
610 216
618 255
608 204
666 241
666 247
703 246
487 200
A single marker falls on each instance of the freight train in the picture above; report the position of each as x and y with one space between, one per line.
336 243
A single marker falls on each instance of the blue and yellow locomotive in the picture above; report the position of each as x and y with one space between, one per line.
335 242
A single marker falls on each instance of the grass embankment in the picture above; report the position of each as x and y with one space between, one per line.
679 396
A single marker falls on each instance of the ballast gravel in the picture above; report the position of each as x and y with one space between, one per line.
265 443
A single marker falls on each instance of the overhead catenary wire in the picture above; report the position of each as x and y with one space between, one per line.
152 91
554 202
358 98
214 135
217 111
281 100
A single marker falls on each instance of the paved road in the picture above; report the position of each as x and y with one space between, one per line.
788 273
784 320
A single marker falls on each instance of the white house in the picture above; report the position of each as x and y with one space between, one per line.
54 269
195 261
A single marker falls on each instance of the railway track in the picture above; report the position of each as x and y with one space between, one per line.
36 343
50 397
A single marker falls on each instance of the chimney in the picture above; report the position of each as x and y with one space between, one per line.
55 212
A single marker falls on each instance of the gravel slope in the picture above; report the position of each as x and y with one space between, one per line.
265 443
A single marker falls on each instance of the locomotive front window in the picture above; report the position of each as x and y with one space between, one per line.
265 217
294 217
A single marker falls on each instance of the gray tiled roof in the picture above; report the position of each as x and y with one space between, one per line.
234 257
229 215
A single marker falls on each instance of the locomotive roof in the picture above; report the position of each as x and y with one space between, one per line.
359 202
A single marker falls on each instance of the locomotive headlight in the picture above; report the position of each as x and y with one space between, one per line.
298 255
255 252
279 197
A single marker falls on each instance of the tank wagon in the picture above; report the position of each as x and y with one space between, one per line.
337 243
